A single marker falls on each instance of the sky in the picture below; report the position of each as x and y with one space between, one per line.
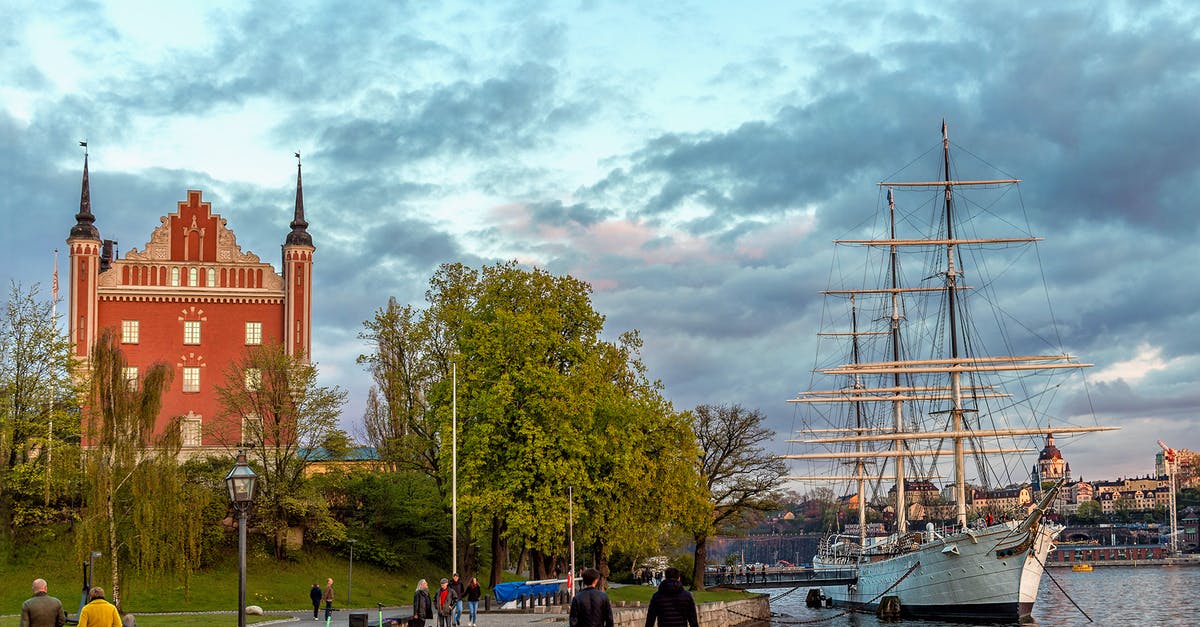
692 161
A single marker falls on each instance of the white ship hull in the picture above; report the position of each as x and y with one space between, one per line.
988 575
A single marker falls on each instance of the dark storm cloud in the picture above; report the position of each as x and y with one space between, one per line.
555 213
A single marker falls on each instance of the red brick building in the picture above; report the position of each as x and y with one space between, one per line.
190 298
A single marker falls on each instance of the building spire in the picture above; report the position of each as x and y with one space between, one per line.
299 234
84 220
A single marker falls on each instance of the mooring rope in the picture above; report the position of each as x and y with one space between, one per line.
1060 588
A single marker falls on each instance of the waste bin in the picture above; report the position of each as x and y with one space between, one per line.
358 620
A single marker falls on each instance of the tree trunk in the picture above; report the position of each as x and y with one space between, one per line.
600 556
112 550
499 552
701 556
521 561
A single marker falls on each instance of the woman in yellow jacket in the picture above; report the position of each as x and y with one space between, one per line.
98 612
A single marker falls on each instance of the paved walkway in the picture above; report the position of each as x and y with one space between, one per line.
547 617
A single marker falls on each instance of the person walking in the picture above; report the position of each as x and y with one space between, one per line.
315 595
460 591
42 610
671 605
473 592
99 612
328 598
591 607
422 606
444 602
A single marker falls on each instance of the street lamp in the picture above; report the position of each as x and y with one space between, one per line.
241 482
350 586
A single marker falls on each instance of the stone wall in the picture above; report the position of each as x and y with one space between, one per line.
718 614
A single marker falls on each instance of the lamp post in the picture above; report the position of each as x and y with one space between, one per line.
241 482
350 585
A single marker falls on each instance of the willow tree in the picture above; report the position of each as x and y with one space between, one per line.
739 475
120 416
285 417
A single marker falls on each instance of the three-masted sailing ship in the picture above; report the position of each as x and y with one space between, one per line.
916 393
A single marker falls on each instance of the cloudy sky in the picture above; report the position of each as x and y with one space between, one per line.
691 160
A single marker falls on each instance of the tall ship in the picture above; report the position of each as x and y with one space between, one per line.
912 385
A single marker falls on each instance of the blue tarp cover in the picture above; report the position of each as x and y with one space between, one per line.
506 592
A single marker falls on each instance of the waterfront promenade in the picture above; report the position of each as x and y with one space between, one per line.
720 614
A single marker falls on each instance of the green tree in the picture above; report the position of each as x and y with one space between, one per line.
738 473
640 487
285 418
544 407
1088 511
120 424
39 414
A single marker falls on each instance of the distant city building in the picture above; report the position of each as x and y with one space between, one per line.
193 299
1188 467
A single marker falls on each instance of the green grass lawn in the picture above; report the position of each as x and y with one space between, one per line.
270 584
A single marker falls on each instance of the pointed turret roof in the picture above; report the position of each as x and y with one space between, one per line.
299 234
84 227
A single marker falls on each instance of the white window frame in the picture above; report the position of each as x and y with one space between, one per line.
192 432
191 332
251 426
130 331
193 276
253 333
212 277
131 376
253 377
175 276
191 378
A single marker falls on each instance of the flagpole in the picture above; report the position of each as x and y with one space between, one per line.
454 469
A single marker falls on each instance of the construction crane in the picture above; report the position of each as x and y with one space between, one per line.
1169 458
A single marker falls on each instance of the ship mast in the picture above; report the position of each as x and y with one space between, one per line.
897 405
956 407
859 470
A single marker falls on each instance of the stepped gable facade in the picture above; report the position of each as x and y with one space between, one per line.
193 299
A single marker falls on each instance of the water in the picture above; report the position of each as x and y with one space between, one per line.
1110 595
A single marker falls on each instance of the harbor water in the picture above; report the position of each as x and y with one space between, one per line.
1109 595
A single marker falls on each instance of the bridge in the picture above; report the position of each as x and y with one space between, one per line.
786 577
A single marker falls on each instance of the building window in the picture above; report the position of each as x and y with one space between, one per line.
175 277
191 331
252 431
191 379
253 379
212 277
253 333
129 331
131 376
193 276
191 432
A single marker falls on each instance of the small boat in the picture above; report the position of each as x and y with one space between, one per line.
1081 568
918 386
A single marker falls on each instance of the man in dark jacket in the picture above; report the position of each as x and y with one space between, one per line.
591 608
672 606
422 605
460 590
315 595
42 610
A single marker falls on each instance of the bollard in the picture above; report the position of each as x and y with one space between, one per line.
521 601
813 599
889 608
487 602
